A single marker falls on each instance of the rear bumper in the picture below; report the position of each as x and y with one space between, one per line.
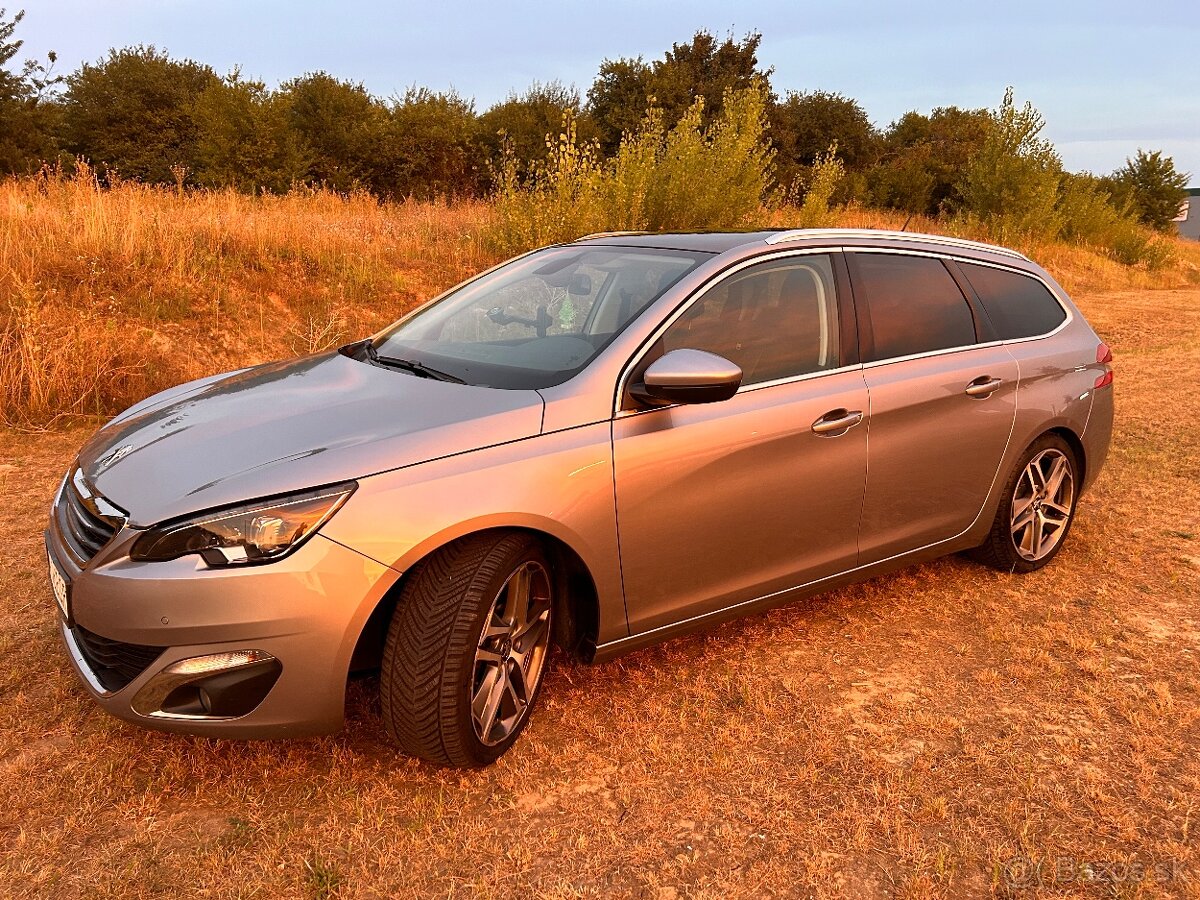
305 611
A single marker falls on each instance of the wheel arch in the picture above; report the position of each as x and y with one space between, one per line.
1061 429
1076 444
577 610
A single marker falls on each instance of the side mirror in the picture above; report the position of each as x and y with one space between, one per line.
688 376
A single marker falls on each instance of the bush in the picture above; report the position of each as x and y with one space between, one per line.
429 149
243 138
519 124
1091 216
132 113
1152 187
925 159
689 177
560 200
1011 185
824 178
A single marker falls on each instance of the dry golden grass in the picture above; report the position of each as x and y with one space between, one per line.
907 737
109 295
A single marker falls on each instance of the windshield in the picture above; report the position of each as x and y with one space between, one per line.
536 321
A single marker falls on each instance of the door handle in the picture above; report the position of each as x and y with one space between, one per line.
837 421
983 386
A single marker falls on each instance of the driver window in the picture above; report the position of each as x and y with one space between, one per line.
776 320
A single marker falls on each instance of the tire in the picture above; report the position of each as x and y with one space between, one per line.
465 651
1026 542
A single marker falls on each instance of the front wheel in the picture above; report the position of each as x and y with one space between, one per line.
1037 509
466 649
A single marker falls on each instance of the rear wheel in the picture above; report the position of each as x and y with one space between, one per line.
466 649
1037 510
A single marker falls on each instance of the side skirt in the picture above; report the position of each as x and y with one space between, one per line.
621 646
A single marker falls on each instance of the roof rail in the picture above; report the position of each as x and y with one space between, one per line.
859 233
604 234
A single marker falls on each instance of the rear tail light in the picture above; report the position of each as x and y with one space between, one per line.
1104 357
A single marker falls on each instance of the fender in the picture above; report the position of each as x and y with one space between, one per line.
563 487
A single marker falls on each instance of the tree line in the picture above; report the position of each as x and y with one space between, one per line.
140 114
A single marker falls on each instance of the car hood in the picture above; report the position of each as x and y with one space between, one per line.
290 426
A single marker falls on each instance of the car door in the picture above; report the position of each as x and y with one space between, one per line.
720 503
942 402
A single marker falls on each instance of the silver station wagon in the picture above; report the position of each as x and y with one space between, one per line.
597 445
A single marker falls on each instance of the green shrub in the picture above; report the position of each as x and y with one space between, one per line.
824 177
1154 189
688 177
1011 185
560 200
1091 216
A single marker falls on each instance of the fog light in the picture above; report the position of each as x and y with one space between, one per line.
217 662
216 686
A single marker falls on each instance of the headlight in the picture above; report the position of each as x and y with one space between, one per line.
257 532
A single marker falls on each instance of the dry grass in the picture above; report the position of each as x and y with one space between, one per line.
160 287
905 737
107 296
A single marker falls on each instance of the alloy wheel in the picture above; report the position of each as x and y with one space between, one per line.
1042 503
511 653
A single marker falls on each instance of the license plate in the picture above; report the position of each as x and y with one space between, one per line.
61 589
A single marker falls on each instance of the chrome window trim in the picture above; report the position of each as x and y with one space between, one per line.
930 353
920 237
959 259
644 348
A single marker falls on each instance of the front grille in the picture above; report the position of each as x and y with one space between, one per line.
114 663
84 529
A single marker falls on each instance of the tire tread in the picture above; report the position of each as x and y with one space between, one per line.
431 629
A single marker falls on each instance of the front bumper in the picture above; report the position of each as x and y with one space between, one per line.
306 611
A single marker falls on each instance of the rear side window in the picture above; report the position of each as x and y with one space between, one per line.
1018 305
913 304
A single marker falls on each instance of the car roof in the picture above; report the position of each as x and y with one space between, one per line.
723 241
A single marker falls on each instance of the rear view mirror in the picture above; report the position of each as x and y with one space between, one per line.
688 376
580 285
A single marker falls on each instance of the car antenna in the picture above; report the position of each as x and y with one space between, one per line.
904 227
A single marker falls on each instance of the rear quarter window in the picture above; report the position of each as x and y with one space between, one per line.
1019 305
913 303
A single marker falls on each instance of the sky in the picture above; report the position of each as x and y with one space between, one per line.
1109 77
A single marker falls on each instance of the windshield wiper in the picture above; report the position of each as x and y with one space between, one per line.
411 365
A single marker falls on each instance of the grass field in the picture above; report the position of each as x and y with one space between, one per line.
906 737
109 295
945 731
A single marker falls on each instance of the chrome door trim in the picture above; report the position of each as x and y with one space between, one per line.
931 353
